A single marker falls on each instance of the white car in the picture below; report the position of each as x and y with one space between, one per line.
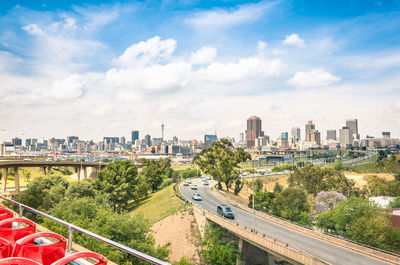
208 177
196 197
193 187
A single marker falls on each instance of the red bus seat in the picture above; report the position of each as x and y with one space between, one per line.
13 234
5 248
5 213
102 260
18 261
45 254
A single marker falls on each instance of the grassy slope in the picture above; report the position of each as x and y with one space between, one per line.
159 205
34 173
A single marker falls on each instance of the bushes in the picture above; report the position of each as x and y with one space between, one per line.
282 168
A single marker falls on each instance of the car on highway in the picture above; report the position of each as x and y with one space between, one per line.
205 183
196 197
187 182
225 211
193 187
208 177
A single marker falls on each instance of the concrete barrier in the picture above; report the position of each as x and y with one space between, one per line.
265 243
374 253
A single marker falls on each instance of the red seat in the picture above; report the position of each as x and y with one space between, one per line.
5 248
45 254
18 261
5 213
102 260
13 234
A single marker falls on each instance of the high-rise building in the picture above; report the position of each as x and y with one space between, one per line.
135 136
209 139
296 133
345 137
175 140
147 140
123 140
313 137
162 131
285 135
331 135
352 124
70 139
253 130
16 141
309 127
386 135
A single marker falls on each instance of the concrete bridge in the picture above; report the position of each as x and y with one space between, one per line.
264 239
46 166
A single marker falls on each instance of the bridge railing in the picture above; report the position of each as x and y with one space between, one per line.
344 242
72 228
262 240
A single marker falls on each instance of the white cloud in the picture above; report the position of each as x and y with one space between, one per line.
66 89
314 78
224 18
244 69
33 29
146 52
203 56
294 39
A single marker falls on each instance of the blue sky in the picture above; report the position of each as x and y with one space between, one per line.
95 69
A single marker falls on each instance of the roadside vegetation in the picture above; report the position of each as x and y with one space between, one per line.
102 206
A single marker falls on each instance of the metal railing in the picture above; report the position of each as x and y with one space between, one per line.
72 228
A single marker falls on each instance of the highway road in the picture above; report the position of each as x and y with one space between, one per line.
325 251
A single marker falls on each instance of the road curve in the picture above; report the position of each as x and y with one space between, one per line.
325 251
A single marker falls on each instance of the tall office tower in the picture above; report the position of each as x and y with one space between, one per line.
241 137
309 127
285 135
16 141
313 136
253 130
353 126
175 140
209 139
123 140
147 140
296 133
135 136
70 139
28 142
345 137
386 135
331 135
162 131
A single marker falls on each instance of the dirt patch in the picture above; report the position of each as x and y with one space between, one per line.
181 232
361 179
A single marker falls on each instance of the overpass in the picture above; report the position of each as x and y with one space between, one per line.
46 167
282 241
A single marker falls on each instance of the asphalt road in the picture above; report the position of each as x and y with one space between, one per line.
320 249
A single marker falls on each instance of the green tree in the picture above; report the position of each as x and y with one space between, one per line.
95 216
189 173
155 171
121 182
395 204
291 204
221 161
369 230
262 201
183 261
80 189
216 249
315 179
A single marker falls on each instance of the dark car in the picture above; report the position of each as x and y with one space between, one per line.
225 211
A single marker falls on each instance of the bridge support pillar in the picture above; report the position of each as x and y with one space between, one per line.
85 172
48 170
78 173
16 180
44 170
240 246
4 180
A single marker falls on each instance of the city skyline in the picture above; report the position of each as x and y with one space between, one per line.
198 68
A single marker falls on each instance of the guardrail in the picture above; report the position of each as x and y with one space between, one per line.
72 228
262 240
381 254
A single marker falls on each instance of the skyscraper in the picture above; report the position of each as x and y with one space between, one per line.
331 135
209 139
353 126
135 136
253 130
296 133
345 137
309 127
285 135
147 140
